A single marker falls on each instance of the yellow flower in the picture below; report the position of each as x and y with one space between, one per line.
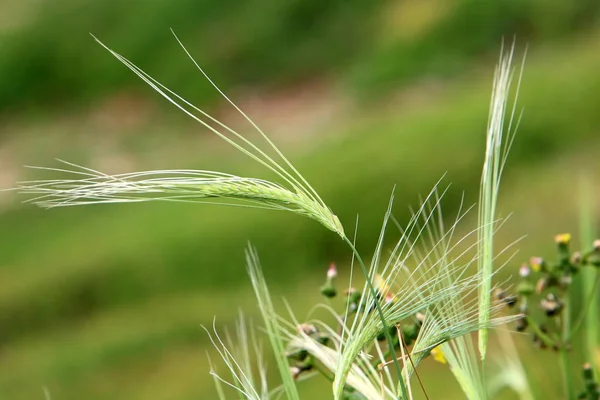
536 263
438 355
563 239
384 289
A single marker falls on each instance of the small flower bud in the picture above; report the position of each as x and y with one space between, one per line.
537 264
352 299
389 298
332 271
382 286
588 373
522 324
328 291
295 372
596 245
576 258
551 305
525 288
511 300
307 329
501 295
541 285
524 271
563 239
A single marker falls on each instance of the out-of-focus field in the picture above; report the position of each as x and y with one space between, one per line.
108 301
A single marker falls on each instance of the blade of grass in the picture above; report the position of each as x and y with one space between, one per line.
272 327
590 276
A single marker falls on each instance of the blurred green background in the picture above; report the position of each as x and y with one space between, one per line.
106 302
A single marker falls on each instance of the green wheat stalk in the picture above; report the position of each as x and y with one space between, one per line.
590 275
498 143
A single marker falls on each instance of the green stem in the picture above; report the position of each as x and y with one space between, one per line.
386 329
548 341
566 373
585 315
590 276
564 354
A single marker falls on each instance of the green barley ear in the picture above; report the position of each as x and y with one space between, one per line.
94 187
497 148
294 194
426 271
446 259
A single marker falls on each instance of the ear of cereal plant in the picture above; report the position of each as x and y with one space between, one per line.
498 144
295 194
427 272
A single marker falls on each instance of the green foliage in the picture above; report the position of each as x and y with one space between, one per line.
259 42
239 43
467 29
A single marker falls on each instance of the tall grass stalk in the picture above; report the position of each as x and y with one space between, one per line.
498 143
270 320
589 295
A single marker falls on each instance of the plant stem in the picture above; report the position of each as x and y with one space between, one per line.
564 354
590 276
386 329
566 373
587 316
548 341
